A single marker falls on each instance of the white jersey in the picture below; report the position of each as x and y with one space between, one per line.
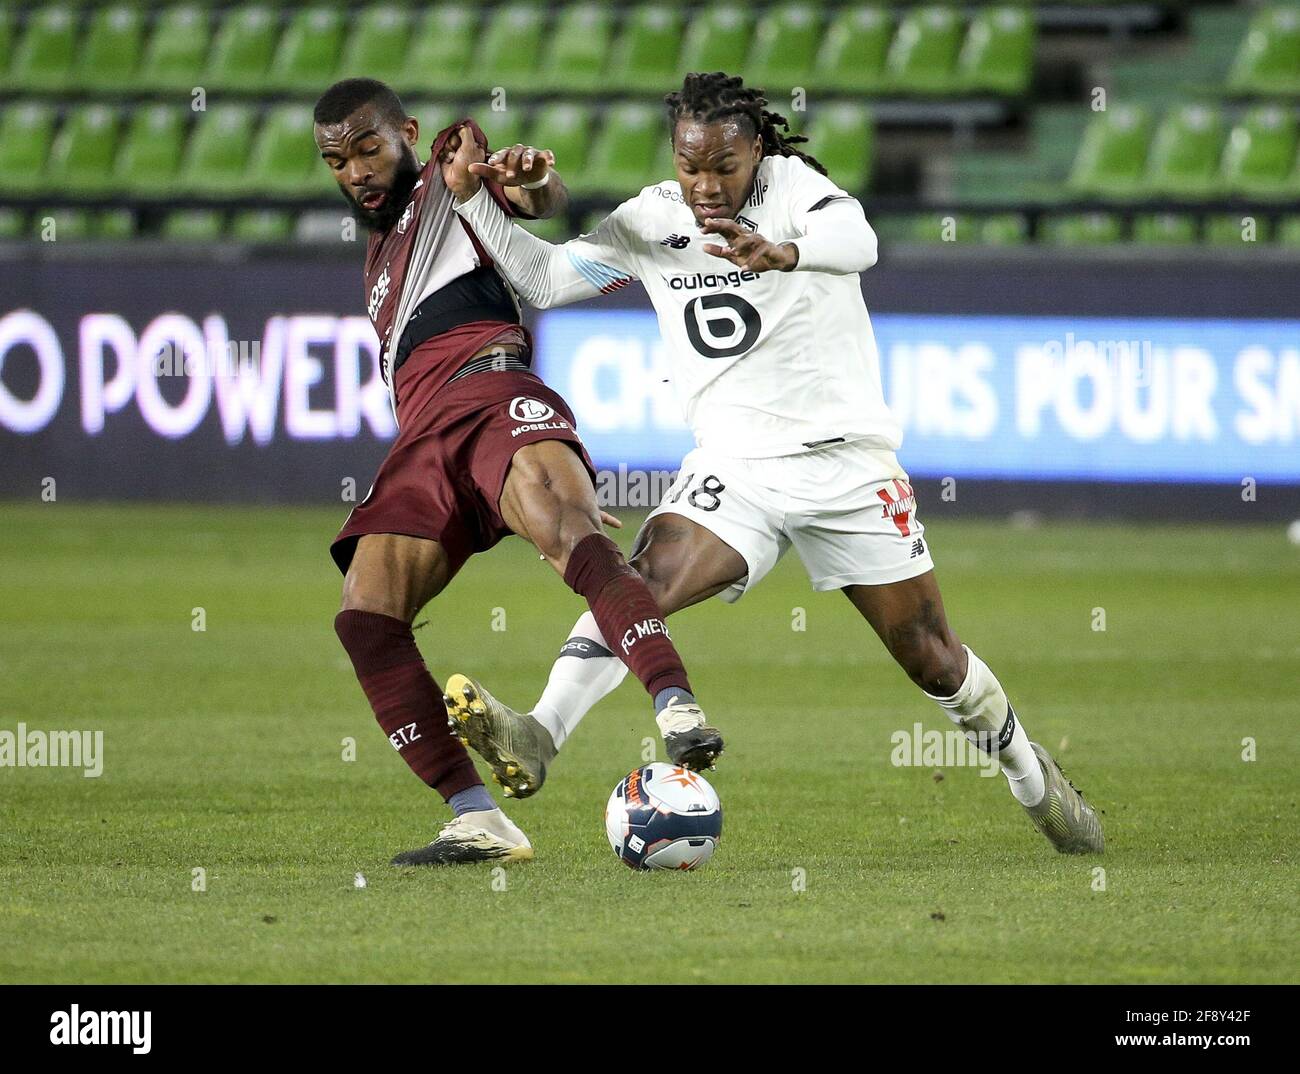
765 364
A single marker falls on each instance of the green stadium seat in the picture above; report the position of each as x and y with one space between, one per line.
716 40
852 57
26 131
377 44
64 224
44 58
1268 61
1185 153
1111 161
841 137
509 54
114 224
1164 229
785 48
243 50
1230 229
564 129
644 55
441 51
1004 229
998 53
433 116
502 128
623 156
1288 231
217 160
192 225
13 224
922 59
114 44
261 225
1260 160
81 159
6 42
150 157
309 50
284 159
177 49
578 46
941 227
1082 229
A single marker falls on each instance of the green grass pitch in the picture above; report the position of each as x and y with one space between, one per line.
223 751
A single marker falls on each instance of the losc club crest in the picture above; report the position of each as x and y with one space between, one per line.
529 410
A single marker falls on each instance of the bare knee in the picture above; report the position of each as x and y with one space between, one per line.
929 652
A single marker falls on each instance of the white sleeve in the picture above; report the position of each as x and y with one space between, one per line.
543 273
834 235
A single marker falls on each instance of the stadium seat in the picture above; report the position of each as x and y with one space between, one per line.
150 157
81 159
622 159
434 116
309 50
840 137
7 20
503 128
1288 232
1164 229
717 39
508 56
1230 229
852 56
217 159
785 48
243 50
13 224
922 59
113 46
577 48
565 129
377 44
441 50
192 225
114 224
284 159
1185 153
1004 229
177 49
26 131
64 224
1260 160
44 57
1111 161
644 55
1268 61
261 225
998 53
1083 229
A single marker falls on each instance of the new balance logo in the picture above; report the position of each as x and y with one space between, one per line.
677 242
918 548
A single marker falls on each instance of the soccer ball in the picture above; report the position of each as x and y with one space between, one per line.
662 816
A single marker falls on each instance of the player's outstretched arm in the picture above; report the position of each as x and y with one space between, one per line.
528 177
836 239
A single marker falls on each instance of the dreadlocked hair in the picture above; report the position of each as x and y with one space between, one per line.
717 95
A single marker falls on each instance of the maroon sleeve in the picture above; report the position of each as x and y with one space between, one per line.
498 194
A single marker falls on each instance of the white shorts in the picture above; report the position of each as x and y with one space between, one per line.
847 509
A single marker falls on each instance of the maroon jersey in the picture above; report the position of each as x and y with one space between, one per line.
400 262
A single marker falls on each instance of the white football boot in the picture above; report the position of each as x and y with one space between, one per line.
482 835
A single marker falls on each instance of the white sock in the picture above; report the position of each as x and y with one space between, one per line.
585 671
980 708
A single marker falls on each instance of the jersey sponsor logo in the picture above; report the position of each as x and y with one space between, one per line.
524 409
671 195
697 281
378 293
584 649
721 326
677 242
900 506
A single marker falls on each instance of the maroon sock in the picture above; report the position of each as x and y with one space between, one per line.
406 701
626 613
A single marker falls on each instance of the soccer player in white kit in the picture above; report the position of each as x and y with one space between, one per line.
751 258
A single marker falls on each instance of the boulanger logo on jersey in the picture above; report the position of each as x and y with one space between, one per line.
534 416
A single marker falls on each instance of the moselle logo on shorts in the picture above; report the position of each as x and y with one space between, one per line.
534 414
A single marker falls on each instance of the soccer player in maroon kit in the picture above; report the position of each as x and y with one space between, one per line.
483 449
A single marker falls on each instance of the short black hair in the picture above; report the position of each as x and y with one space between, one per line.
345 97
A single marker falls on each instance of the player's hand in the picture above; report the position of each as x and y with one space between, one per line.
748 249
610 521
516 165
460 153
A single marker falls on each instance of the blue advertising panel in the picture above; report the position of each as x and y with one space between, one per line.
1080 398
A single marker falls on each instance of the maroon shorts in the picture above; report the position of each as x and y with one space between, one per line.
443 475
